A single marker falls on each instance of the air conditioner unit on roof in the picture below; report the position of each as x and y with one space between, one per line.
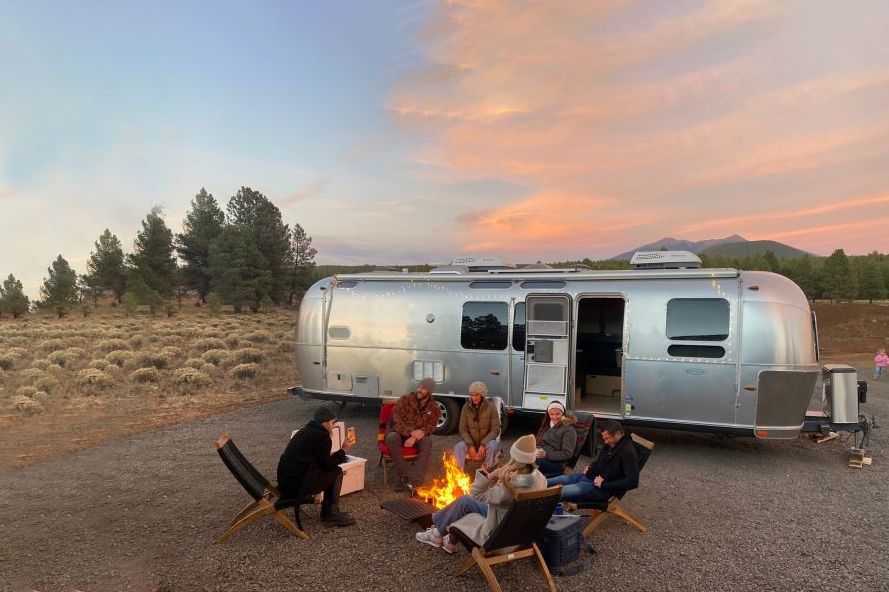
483 263
665 260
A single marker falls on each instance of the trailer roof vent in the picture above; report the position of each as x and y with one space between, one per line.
449 270
665 260
474 263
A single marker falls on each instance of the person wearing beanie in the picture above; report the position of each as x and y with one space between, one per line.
479 513
556 439
308 467
479 429
413 420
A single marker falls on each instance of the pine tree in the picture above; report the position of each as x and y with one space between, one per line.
772 262
59 289
239 273
12 298
870 285
105 267
838 277
252 210
201 225
154 258
303 263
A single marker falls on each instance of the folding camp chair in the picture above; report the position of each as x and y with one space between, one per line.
586 440
515 536
601 510
266 498
410 454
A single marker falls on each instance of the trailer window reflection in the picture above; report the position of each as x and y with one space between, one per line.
484 325
699 319
518 327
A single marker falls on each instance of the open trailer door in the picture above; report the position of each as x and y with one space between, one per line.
547 350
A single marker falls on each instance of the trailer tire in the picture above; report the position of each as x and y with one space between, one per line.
448 415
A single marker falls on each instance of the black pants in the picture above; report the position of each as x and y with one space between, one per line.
330 482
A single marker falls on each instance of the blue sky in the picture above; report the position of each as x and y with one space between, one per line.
417 131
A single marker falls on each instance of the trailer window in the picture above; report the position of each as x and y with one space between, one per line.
698 319
490 285
696 351
484 325
518 327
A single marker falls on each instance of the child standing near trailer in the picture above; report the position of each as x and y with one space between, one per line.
881 360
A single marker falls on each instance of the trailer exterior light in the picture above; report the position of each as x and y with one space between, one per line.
762 433
754 288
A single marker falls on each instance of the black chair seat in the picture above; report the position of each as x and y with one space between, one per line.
294 501
600 505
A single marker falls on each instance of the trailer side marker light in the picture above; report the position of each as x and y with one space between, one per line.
762 433
754 288
750 388
511 411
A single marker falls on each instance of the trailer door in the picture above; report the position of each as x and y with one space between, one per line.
547 350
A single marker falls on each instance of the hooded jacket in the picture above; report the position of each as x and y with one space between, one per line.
558 441
479 425
619 467
308 450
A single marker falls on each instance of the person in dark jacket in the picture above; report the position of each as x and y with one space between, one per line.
308 467
614 472
556 439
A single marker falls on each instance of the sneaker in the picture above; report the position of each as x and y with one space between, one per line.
447 545
429 537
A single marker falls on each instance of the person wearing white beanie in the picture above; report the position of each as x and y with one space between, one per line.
479 513
556 439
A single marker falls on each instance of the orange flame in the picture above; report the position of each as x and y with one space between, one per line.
444 491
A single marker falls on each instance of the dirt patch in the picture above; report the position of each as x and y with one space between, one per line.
855 330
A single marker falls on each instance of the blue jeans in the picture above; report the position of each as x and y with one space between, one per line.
455 510
577 487
492 448
549 467
878 371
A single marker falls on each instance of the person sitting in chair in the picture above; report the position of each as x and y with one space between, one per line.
308 467
479 428
413 420
556 439
614 472
479 513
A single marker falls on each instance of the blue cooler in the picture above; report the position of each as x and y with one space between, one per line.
562 540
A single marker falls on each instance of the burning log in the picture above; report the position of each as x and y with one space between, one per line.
443 491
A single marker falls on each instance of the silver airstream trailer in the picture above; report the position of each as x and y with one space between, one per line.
666 344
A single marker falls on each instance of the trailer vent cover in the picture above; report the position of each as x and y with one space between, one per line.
665 260
428 369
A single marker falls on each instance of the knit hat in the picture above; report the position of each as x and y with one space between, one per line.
524 450
555 404
428 384
323 414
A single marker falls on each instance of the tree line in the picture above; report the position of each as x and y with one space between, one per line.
246 257
838 277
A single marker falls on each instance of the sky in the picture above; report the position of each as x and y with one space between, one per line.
417 131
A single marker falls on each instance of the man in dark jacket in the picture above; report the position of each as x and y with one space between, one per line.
308 467
413 420
614 472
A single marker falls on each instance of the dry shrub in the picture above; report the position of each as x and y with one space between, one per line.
41 364
136 341
208 343
94 379
17 352
286 347
27 405
149 374
27 391
191 378
207 368
119 357
212 334
51 345
232 341
195 363
150 358
114 334
216 356
259 336
244 371
66 357
47 384
173 353
109 345
29 375
7 362
98 364
248 355
245 343
55 369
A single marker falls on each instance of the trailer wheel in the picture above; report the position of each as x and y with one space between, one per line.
448 415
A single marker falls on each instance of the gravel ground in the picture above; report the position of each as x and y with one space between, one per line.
144 512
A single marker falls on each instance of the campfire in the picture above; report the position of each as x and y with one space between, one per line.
444 491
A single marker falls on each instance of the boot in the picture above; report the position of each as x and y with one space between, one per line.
332 516
402 483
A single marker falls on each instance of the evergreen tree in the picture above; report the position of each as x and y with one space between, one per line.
870 285
838 277
59 289
303 264
239 273
154 258
252 210
105 267
771 261
12 298
201 225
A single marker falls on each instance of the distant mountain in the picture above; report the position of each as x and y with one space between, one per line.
673 244
751 248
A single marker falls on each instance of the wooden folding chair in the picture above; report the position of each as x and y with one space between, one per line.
515 536
410 454
601 510
266 498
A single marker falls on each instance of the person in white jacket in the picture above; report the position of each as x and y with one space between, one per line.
479 513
